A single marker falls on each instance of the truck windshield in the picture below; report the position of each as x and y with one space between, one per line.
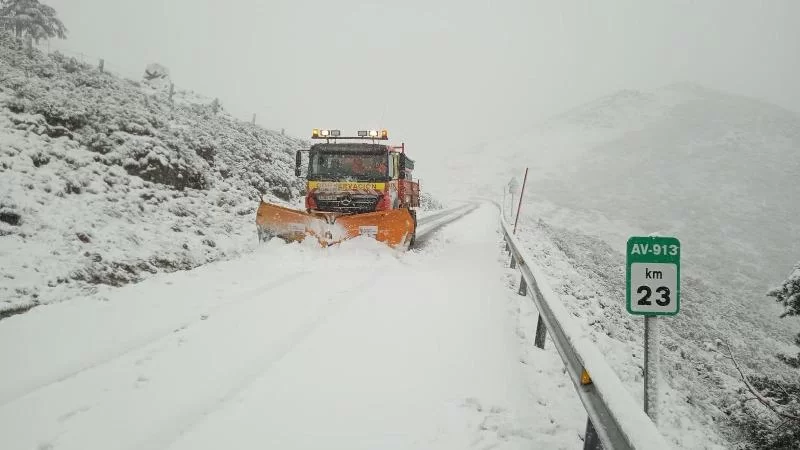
347 166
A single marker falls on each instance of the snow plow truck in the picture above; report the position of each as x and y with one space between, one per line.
356 186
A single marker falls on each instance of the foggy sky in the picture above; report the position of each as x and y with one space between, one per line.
439 74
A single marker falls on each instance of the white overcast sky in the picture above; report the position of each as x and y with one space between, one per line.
440 74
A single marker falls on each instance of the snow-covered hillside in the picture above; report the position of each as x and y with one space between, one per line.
715 170
103 180
718 170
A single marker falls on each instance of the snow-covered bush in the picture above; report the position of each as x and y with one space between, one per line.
428 202
30 18
764 428
157 76
788 293
769 411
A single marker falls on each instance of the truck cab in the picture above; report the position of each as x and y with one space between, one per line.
355 186
357 177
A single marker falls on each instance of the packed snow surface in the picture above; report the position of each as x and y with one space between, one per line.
293 346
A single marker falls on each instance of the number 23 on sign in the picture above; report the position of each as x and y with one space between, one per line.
653 275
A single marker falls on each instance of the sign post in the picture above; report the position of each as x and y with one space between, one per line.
651 359
513 188
524 180
652 274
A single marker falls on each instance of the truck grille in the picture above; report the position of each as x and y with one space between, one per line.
346 203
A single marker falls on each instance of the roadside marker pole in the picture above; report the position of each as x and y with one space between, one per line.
524 180
502 211
511 207
652 289
651 367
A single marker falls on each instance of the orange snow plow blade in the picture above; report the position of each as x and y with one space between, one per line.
288 224
394 227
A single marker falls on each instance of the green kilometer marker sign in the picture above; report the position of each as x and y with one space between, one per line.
653 275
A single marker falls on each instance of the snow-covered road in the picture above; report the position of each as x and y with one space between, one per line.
294 347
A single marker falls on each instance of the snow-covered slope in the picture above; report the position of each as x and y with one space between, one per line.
715 170
103 180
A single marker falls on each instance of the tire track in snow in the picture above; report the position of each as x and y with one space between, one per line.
381 366
159 419
434 216
192 419
456 214
453 216
151 338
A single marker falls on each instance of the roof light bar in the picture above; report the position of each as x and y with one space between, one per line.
322 133
318 133
374 134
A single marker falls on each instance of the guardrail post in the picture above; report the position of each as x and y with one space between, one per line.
513 261
541 332
590 440
523 286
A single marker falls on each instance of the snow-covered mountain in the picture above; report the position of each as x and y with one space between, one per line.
716 170
103 180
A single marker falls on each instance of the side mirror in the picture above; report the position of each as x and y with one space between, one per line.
402 168
297 161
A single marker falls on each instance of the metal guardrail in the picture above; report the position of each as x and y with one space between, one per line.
615 420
